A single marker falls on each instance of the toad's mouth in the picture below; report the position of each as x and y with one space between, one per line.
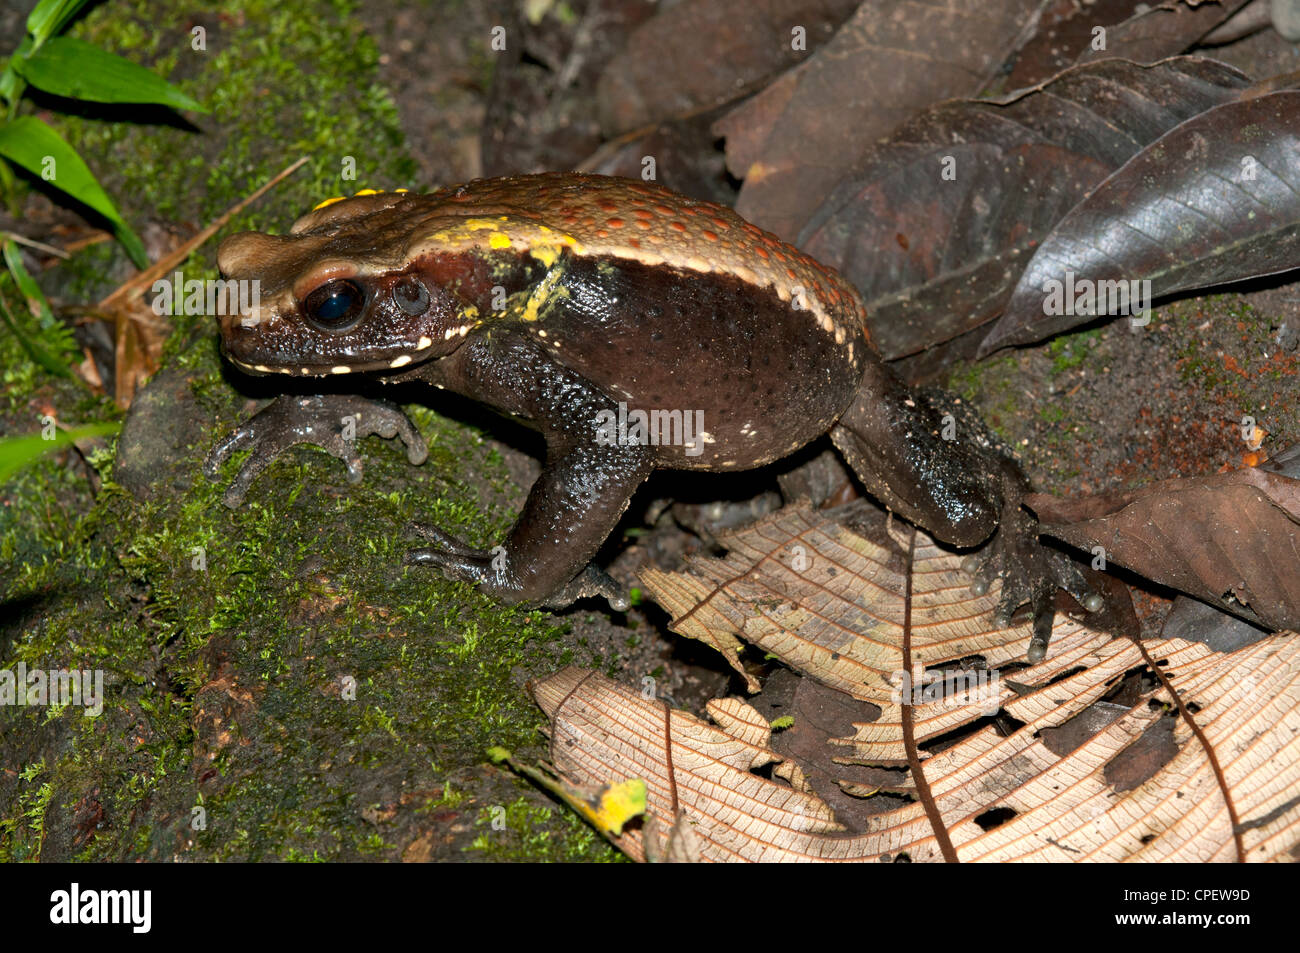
324 370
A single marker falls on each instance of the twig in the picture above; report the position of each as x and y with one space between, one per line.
33 243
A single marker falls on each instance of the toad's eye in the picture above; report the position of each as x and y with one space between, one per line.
411 295
335 305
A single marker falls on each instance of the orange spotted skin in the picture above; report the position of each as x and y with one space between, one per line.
637 329
606 216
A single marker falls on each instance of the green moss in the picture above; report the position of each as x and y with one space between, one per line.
1053 413
1072 350
522 831
271 673
990 385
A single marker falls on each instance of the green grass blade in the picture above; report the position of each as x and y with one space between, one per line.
74 68
29 142
27 285
33 345
50 16
19 452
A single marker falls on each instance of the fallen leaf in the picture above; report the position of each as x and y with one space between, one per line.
1223 785
936 256
1231 539
700 54
792 141
1162 29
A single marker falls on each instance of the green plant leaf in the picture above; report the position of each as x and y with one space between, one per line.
33 345
28 142
70 67
50 16
11 84
55 333
30 289
19 452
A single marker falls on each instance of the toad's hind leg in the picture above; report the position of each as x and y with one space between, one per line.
894 440
950 477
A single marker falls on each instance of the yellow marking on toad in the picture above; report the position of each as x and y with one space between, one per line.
541 294
542 243
340 198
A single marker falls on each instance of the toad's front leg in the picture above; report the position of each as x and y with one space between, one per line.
582 492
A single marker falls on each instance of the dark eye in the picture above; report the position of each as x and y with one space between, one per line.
411 295
335 305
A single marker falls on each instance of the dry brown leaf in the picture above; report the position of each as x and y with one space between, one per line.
793 141
1068 32
1162 29
1234 534
1200 764
1226 793
830 602
699 54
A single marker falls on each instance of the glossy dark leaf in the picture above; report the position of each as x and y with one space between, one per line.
1215 200
935 257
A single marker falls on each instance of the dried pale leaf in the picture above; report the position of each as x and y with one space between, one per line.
993 798
741 720
830 602
706 772
681 847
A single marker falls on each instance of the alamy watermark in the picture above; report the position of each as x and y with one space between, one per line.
671 428
76 905
38 687
954 687
1088 298
215 296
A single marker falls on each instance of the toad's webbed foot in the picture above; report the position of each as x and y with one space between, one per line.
333 422
928 457
491 571
1030 571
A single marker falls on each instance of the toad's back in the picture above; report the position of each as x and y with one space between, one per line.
598 216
